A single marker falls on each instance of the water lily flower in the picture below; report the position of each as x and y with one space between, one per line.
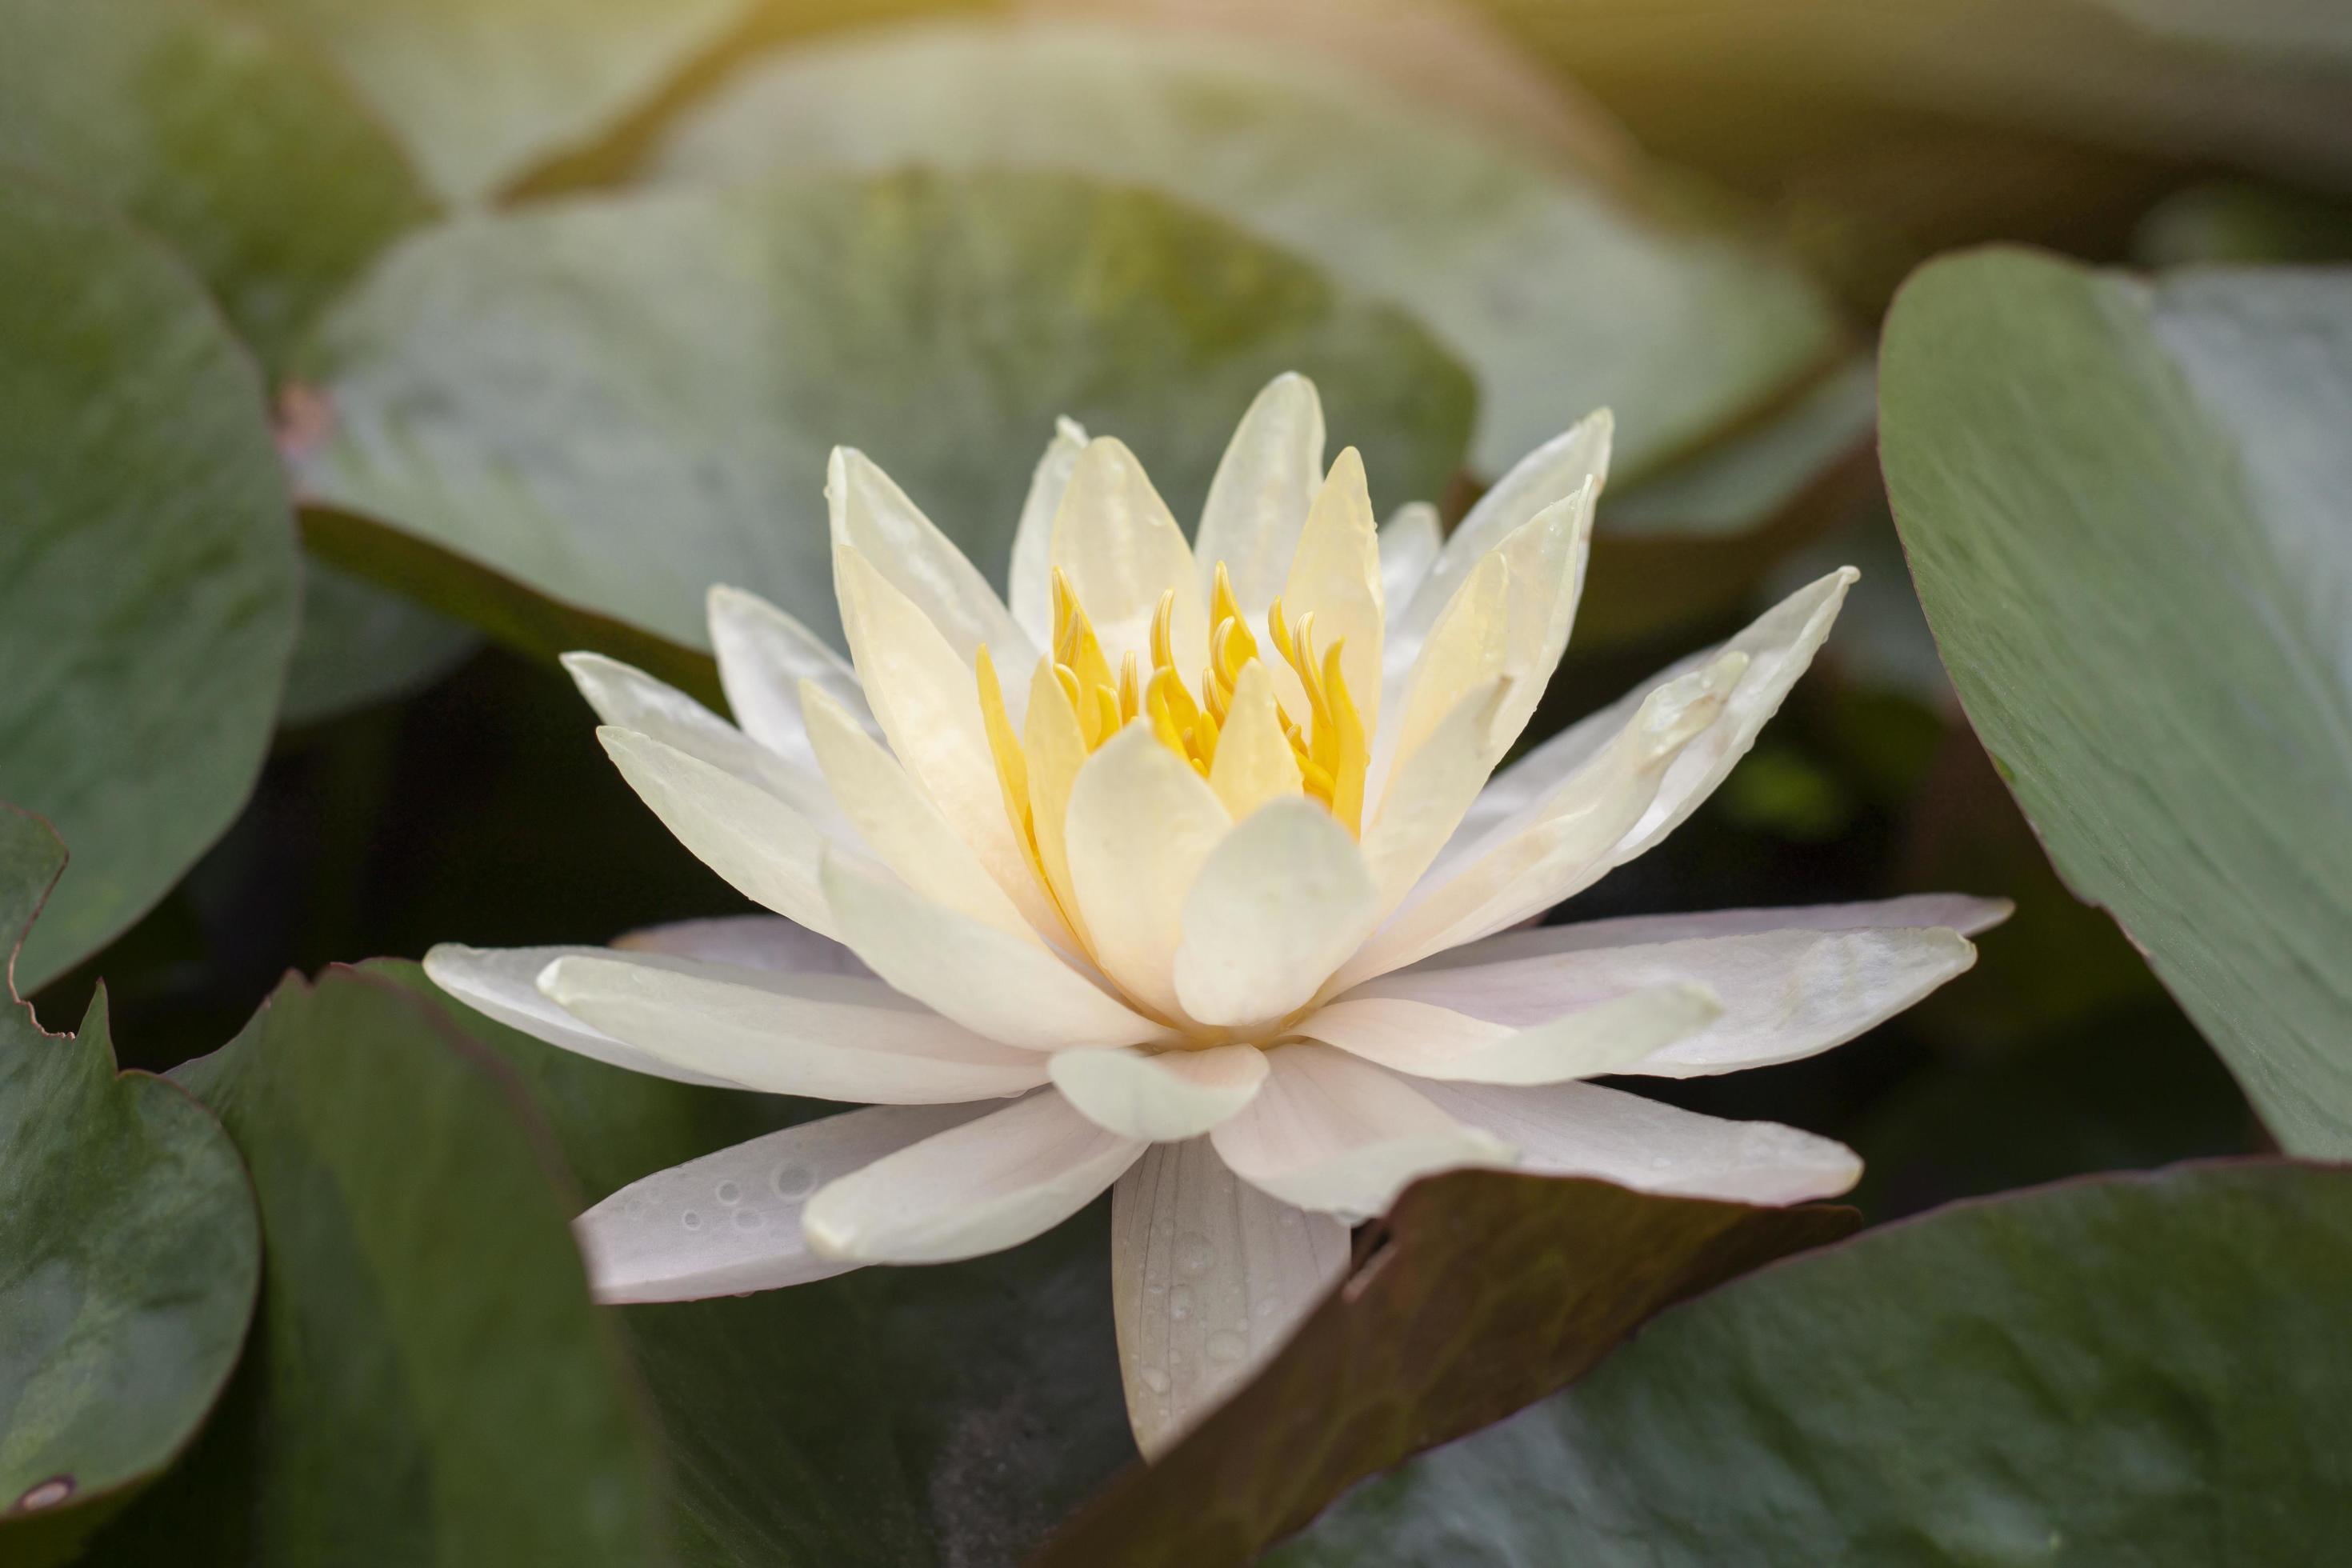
1187 873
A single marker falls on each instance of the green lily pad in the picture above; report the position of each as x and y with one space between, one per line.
2134 1369
359 645
130 1254
2123 508
1486 1290
1559 293
620 402
147 563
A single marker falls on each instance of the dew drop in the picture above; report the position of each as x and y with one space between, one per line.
749 1219
1180 1303
691 1220
1193 1253
793 1180
1266 1308
1155 1380
1225 1345
728 1193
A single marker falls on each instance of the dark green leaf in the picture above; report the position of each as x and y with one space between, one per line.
619 402
2123 507
147 563
1487 1290
2145 1370
359 645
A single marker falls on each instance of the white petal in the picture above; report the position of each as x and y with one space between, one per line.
729 1223
994 984
1255 765
1962 912
1141 824
1339 1136
763 656
1409 542
1466 650
1584 1129
981 1187
1335 576
873 516
746 942
1432 787
1787 993
1122 551
1278 905
765 848
629 698
826 1037
1030 583
1258 499
1429 1041
502 983
1174 1094
1209 1278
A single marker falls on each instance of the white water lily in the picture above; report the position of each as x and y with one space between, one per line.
1183 875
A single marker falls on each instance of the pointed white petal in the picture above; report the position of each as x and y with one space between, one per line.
1335 576
746 942
873 516
998 985
1277 906
1209 1278
1409 541
1258 500
1174 1094
502 983
1254 763
1030 583
1432 787
1122 550
1142 825
1584 1129
729 1223
825 1036
1337 1135
763 656
629 698
1429 1041
978 1188
1962 912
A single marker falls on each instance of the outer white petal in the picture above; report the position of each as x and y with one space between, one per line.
1209 1277
1174 1094
1335 576
1430 1041
1142 825
998 985
872 515
746 942
1030 583
1409 541
1278 905
1584 1129
1122 550
1962 912
628 699
767 850
1339 1136
730 1222
826 1037
763 656
1432 787
502 983
981 1187
1258 500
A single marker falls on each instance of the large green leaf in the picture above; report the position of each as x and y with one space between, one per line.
1559 293
147 562
428 1381
2123 505
130 1254
2145 1370
622 402
1485 1290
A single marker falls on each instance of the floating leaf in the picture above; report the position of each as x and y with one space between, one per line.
147 563
2123 510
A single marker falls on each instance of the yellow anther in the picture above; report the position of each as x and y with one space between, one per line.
1164 725
1349 755
1163 640
1075 642
1107 720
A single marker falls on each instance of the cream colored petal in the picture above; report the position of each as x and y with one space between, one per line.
929 704
502 984
763 656
746 942
1163 1097
825 1037
765 848
628 699
1278 905
729 1223
1336 577
910 835
1030 583
1142 825
998 985
1469 647
1054 749
1338 1135
1258 499
1584 1129
978 1188
1409 541
873 516
1254 763
1432 787
1209 1278
1787 993
1962 912
1122 551
1548 558
1435 1042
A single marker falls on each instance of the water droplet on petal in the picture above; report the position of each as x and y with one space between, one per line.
1226 1346
1155 1380
691 1220
728 1193
793 1180
1193 1253
1180 1303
